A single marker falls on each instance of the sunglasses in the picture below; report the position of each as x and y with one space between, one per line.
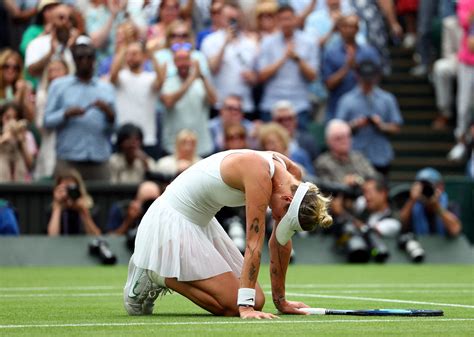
231 108
237 136
285 119
186 46
179 35
11 66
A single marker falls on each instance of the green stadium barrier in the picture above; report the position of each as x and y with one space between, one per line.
40 250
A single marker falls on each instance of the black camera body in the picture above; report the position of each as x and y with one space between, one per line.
427 189
73 191
412 247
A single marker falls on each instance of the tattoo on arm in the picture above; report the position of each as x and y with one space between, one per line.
255 226
252 273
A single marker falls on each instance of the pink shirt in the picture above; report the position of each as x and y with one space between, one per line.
465 8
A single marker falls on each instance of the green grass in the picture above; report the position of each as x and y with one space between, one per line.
87 301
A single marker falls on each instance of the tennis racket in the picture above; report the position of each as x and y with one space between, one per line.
375 312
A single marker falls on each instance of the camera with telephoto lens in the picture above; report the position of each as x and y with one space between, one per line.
360 245
412 247
427 189
73 191
100 248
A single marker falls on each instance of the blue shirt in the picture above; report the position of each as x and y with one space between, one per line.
86 137
369 140
334 59
288 83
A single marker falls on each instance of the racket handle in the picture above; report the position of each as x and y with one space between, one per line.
314 311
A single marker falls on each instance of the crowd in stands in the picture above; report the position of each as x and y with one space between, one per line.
115 90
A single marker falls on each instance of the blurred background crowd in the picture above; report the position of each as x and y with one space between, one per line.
130 92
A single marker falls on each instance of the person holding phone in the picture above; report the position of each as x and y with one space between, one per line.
72 207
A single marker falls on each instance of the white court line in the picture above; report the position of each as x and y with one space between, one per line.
290 285
380 300
236 322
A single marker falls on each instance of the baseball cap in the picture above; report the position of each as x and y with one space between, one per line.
44 3
429 174
290 224
367 69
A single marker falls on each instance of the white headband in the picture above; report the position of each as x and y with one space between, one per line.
290 224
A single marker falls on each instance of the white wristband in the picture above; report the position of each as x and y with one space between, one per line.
246 297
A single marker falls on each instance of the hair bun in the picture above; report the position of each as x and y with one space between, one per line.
325 220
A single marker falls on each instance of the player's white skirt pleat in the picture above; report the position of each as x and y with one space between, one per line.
173 246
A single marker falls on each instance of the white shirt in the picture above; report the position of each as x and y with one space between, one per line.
136 102
239 55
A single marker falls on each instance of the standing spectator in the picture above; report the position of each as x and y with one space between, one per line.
130 163
17 145
102 18
187 97
274 137
465 98
427 13
81 110
217 22
339 61
288 62
284 114
137 92
373 114
46 160
231 56
426 211
125 215
341 164
375 14
183 157
407 9
57 42
72 207
20 14
445 70
230 113
12 86
266 18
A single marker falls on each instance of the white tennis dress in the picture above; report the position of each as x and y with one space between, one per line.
179 235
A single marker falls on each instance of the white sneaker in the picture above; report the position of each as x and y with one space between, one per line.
409 41
458 152
420 70
140 291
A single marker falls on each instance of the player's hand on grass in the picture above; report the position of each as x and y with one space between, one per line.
292 307
251 313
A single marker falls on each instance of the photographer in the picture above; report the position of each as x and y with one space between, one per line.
426 210
126 214
72 205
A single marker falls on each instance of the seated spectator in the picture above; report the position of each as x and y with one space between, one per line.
372 114
72 207
8 219
341 164
183 157
274 137
230 113
187 91
126 215
130 163
284 114
339 61
235 137
375 210
17 145
427 209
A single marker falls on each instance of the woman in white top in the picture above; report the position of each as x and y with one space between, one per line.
181 246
